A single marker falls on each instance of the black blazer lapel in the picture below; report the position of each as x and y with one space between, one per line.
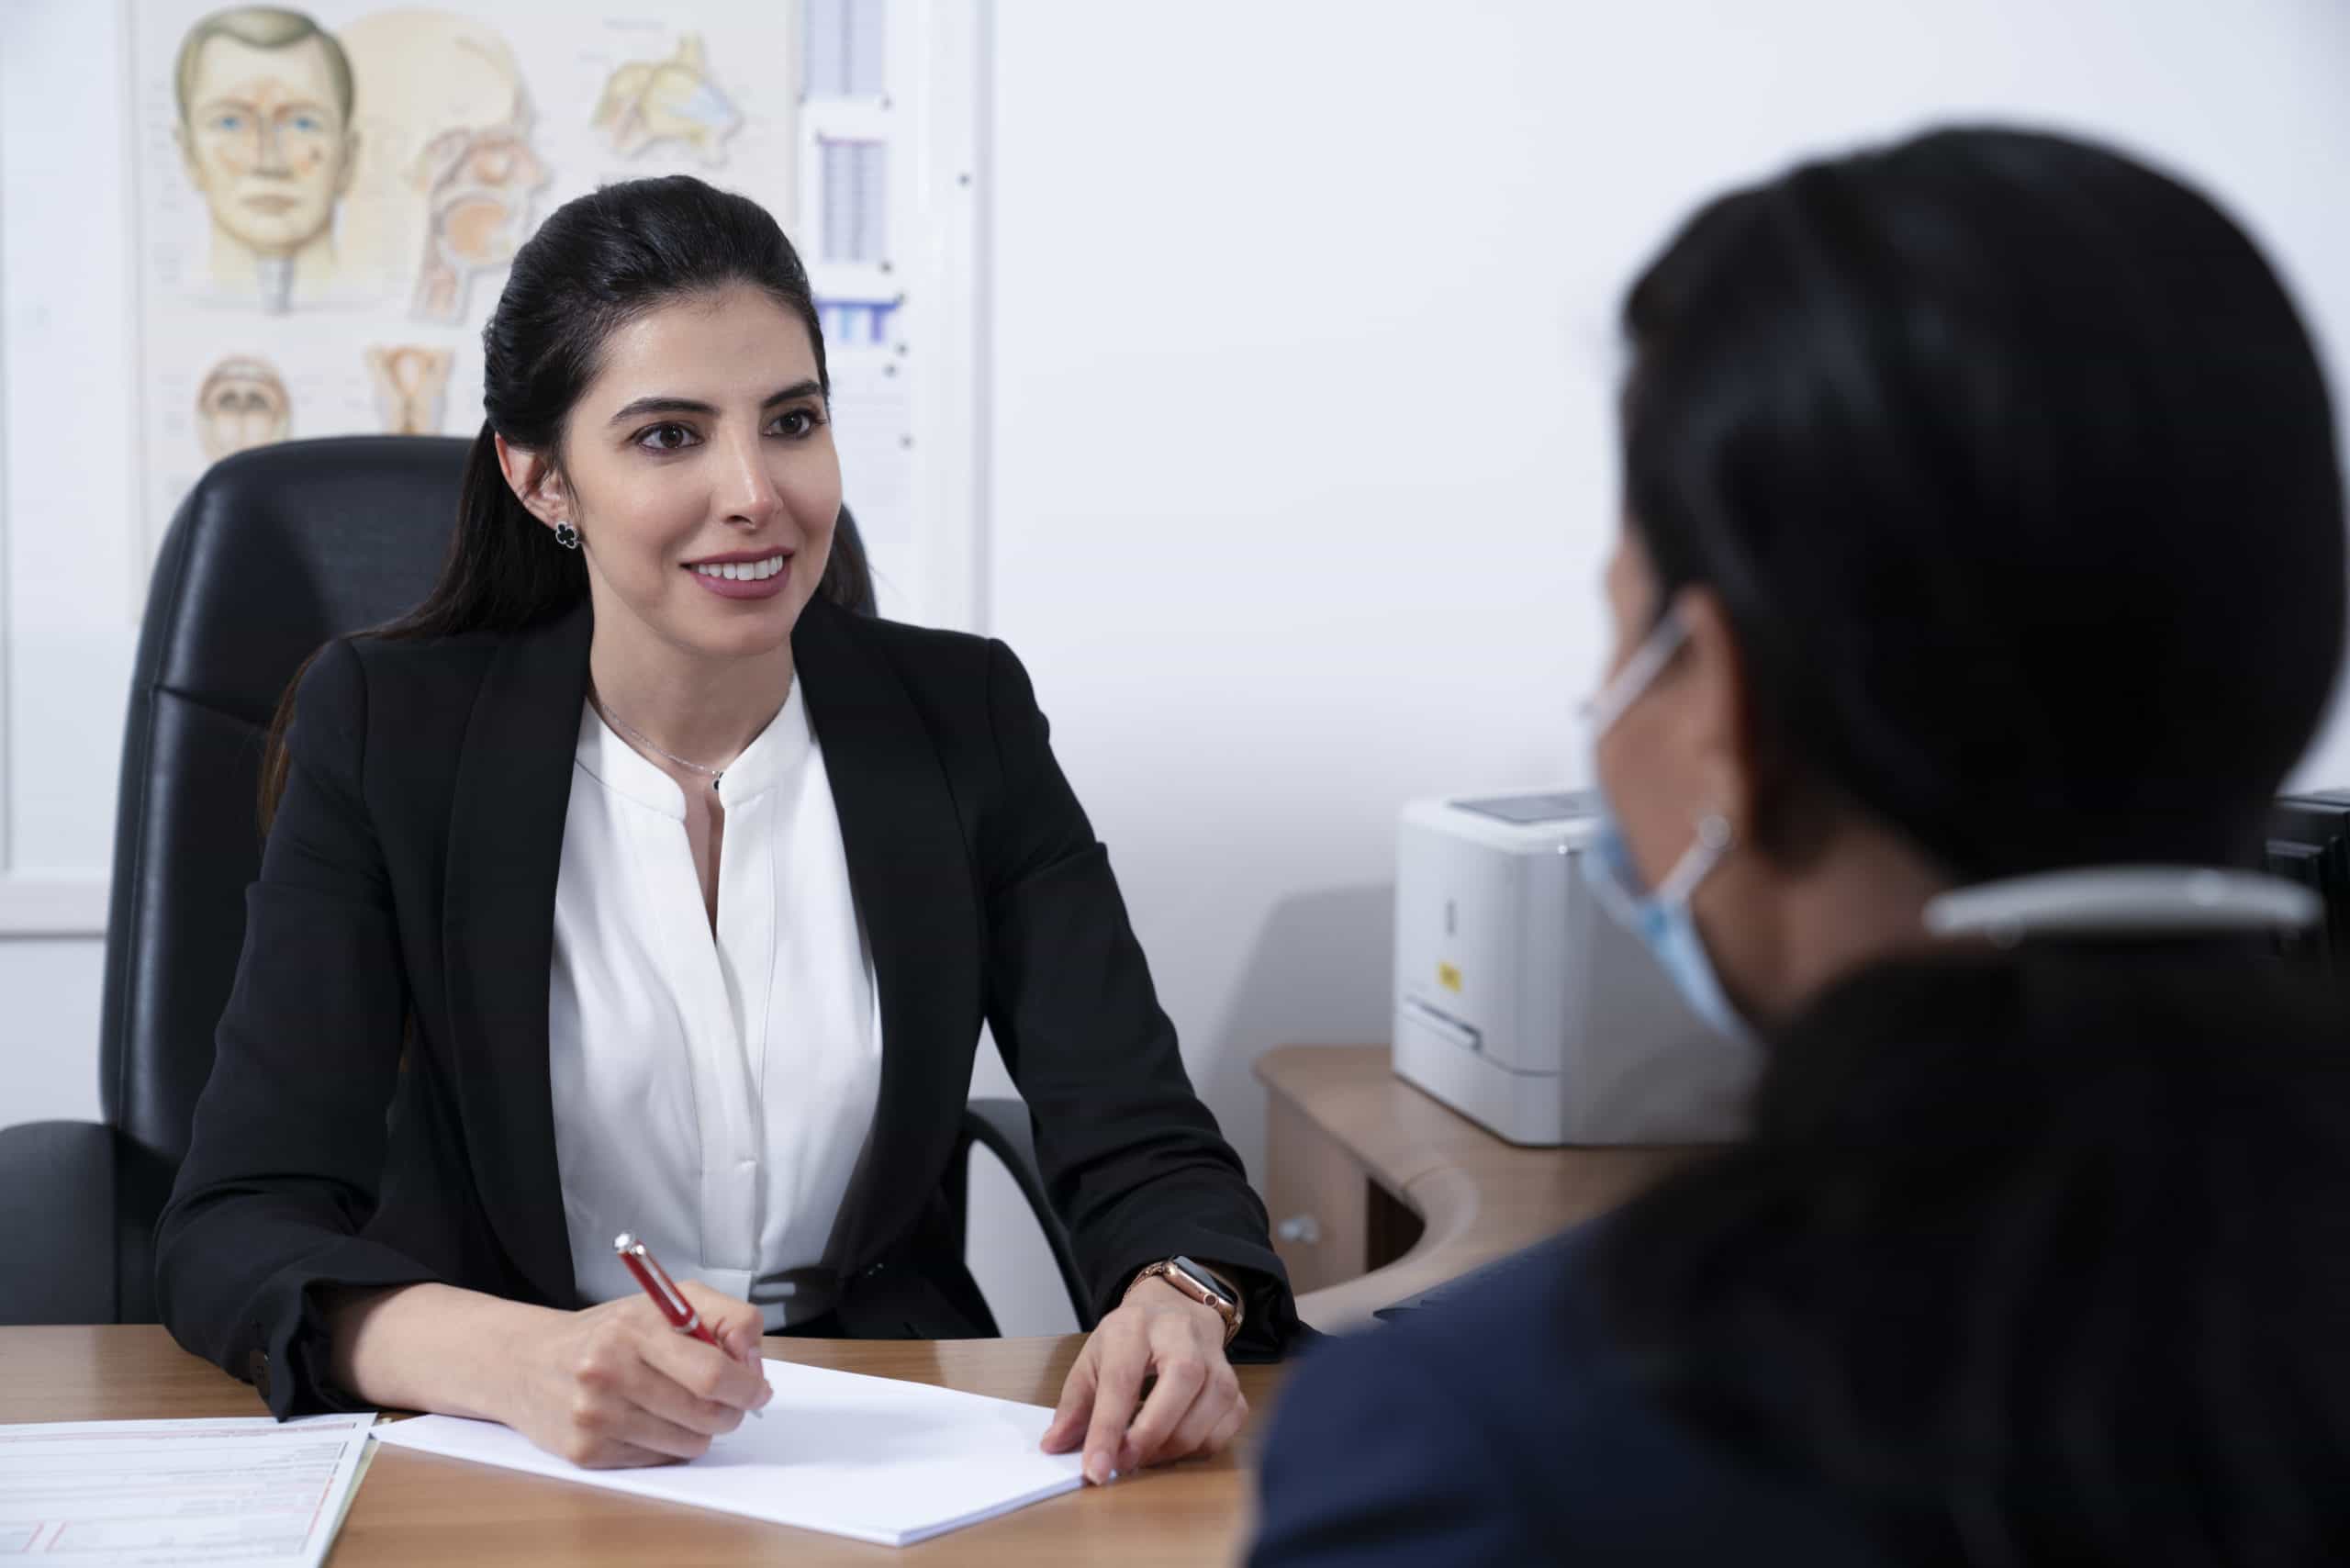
911 872
498 935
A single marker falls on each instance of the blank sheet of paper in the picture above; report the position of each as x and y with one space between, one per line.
870 1458
243 1490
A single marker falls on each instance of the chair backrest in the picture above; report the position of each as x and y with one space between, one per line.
275 551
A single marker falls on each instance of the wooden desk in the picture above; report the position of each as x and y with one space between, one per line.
414 1507
1379 1192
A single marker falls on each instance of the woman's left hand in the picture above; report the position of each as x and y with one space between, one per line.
1196 1408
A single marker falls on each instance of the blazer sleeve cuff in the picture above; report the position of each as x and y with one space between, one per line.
290 1357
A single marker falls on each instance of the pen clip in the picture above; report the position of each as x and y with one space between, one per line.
655 1280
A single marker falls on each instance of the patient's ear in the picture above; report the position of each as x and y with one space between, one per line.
1714 711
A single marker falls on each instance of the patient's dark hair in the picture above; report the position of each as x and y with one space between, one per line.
2013 467
599 262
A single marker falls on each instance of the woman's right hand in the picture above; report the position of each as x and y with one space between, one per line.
614 1386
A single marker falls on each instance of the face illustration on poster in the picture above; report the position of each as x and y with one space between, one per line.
426 108
265 98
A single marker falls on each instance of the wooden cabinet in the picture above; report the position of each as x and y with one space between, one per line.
1317 1196
1377 1191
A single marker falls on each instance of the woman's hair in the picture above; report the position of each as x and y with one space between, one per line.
2015 473
2014 470
599 262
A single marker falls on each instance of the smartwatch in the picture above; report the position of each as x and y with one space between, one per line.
1196 1281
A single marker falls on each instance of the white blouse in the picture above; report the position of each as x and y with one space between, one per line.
711 1095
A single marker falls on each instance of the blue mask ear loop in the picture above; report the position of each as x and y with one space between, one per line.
1640 672
1715 839
1662 920
1621 890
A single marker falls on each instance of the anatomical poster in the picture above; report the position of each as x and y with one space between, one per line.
328 195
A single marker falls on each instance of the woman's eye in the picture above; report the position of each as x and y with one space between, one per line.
665 438
305 122
229 122
797 422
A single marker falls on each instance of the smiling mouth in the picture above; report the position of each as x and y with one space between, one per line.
744 571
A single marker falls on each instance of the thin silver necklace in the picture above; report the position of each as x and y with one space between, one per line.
632 733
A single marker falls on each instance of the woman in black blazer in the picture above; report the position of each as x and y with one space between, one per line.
372 1210
1981 576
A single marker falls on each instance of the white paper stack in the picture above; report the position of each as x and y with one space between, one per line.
871 1458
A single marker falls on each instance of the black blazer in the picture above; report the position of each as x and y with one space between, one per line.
396 956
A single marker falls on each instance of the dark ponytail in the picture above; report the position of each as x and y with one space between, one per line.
599 262
504 572
2014 469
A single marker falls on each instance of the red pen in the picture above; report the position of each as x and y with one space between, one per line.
664 1291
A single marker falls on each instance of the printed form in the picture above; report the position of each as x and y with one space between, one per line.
156 1494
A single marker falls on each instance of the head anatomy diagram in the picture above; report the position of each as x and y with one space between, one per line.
264 103
242 404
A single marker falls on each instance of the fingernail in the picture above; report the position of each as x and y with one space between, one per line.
1093 1472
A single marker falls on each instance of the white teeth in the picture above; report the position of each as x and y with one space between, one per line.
744 571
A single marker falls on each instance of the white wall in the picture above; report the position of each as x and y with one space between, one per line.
1301 469
65 498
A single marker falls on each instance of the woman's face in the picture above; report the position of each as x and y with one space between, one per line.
699 470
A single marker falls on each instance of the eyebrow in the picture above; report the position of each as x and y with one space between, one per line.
658 405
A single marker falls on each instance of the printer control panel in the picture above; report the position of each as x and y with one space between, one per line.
1523 811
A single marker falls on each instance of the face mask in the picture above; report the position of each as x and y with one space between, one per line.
1660 919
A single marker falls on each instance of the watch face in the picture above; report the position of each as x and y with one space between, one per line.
1199 1277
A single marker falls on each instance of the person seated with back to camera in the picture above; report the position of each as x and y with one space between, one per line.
1981 575
652 888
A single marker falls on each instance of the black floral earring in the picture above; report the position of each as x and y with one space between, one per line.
567 535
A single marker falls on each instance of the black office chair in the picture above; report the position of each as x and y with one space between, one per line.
273 552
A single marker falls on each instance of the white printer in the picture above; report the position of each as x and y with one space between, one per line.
1523 1005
